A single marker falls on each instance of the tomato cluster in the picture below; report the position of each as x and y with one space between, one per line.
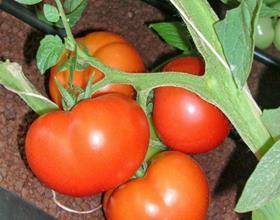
268 28
100 143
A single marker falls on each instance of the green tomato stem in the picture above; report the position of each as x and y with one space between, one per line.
144 81
142 97
237 104
70 40
152 151
65 22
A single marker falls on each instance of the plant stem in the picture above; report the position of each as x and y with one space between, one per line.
64 21
70 41
244 114
152 151
142 97
146 81
237 104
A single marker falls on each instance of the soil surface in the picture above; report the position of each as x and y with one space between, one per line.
227 167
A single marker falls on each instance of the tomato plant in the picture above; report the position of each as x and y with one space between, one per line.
98 145
174 187
110 48
226 45
183 120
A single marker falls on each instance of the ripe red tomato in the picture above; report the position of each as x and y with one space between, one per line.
183 120
174 187
98 145
111 49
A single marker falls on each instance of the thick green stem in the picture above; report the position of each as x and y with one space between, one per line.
237 104
146 81
243 112
246 119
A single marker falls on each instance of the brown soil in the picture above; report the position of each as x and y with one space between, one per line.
227 167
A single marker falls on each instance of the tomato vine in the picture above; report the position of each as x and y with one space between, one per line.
223 84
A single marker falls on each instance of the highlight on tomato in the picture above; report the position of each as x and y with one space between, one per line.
184 121
174 187
96 146
112 50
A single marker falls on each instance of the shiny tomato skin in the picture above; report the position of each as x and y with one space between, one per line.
193 65
174 188
101 39
96 146
120 56
111 49
183 120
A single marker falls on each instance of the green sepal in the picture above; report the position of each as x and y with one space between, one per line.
68 101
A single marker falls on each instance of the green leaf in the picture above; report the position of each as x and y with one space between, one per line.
267 11
51 13
236 34
175 34
49 52
28 2
13 79
267 212
74 16
263 186
40 15
71 5
271 119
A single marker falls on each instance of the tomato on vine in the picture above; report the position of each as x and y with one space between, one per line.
96 146
174 187
183 120
111 49
264 33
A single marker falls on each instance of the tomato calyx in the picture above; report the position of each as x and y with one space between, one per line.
73 94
